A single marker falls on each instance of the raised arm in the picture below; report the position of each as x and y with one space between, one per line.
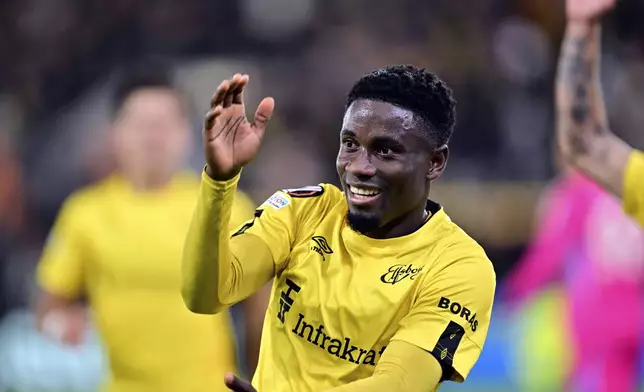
254 307
217 272
583 133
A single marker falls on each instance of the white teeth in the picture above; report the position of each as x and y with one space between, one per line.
363 191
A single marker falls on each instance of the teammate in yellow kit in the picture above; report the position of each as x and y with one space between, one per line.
375 288
583 131
118 244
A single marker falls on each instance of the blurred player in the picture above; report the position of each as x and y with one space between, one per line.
118 244
585 240
376 289
583 131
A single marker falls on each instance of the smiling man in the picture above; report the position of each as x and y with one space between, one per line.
375 288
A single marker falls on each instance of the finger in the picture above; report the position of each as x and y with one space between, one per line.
220 93
236 384
263 114
234 82
229 379
211 116
238 93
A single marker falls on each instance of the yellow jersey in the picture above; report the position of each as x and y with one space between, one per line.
338 297
122 250
634 187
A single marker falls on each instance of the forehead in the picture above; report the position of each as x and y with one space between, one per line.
147 100
366 117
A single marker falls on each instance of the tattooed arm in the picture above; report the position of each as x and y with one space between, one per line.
583 132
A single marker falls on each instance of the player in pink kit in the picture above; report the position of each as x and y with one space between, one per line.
597 252
584 239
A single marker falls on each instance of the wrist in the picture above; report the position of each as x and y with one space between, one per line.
219 176
217 184
580 24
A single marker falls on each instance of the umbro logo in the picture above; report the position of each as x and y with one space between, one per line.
321 246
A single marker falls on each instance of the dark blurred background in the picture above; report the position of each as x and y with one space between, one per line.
499 56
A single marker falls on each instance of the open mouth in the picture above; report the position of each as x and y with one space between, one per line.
360 195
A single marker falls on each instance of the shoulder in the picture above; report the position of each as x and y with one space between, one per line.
308 198
461 257
462 280
91 196
304 208
322 192
82 204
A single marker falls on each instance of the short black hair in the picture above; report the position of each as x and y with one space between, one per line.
414 89
138 76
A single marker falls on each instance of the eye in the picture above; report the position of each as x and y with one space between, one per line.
385 151
349 144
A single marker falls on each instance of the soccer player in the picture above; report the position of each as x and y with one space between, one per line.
375 288
583 132
117 244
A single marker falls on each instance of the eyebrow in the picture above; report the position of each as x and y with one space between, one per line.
377 139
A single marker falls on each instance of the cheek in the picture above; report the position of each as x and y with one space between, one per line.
340 163
128 141
411 183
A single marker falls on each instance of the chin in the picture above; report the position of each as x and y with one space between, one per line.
363 222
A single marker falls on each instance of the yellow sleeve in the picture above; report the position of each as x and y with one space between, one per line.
634 187
451 310
402 368
213 276
243 210
61 270
220 270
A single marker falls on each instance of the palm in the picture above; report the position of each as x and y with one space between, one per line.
233 141
230 140
588 9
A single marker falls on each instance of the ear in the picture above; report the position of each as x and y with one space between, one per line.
438 162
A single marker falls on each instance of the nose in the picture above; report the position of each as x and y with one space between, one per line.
360 165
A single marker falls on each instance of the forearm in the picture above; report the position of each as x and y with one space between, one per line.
403 368
583 133
207 261
217 271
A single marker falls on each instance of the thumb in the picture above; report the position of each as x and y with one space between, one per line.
264 113
236 384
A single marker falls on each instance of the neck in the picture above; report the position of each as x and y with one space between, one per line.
147 182
401 226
